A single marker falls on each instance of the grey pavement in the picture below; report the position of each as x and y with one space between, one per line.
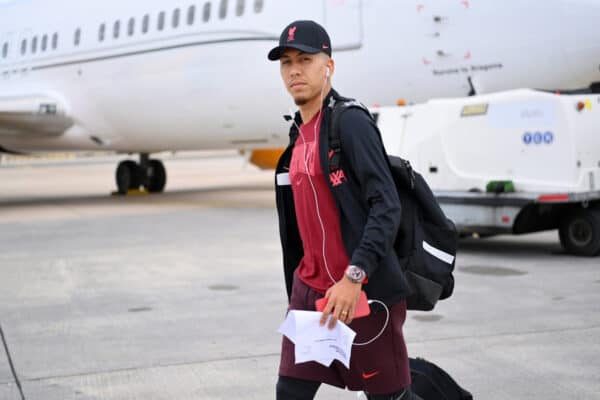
179 295
8 388
5 374
9 392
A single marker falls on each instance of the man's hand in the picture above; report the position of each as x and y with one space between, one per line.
341 302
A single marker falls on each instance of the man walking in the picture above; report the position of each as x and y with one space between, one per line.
337 229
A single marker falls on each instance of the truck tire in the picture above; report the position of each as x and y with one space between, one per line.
579 232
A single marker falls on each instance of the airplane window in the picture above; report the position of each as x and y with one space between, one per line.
101 32
161 21
77 38
258 5
191 15
239 10
175 20
223 9
54 41
116 29
23 46
34 44
5 50
131 26
145 23
206 12
44 42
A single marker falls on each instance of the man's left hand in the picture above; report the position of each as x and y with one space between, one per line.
341 302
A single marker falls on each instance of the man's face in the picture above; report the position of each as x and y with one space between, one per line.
304 74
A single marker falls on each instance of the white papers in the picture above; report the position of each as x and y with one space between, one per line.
314 342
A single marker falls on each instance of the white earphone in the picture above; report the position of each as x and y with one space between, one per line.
327 73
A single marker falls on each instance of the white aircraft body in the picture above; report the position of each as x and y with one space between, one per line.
154 75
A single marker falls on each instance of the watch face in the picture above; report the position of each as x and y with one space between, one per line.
355 274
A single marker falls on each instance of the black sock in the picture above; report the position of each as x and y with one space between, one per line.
296 389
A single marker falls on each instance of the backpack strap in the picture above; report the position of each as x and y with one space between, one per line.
404 174
340 105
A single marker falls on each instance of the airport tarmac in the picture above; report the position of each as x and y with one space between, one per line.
179 295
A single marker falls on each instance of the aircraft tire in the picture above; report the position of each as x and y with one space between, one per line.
127 176
579 232
157 176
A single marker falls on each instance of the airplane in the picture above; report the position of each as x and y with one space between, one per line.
142 77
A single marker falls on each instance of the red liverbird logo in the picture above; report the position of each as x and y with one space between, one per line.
337 177
291 33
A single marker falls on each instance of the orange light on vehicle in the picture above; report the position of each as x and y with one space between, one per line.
401 102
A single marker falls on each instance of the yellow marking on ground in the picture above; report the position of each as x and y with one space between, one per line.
132 192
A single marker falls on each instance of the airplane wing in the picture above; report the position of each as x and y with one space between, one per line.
33 116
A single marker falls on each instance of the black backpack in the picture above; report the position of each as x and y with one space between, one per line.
427 241
430 382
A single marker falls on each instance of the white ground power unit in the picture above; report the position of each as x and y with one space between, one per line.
512 162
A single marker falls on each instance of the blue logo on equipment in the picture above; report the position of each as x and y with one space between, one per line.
538 137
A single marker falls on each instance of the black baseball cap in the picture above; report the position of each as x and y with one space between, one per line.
306 36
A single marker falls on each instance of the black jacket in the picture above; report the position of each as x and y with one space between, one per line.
366 200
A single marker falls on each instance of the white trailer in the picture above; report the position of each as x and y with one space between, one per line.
512 162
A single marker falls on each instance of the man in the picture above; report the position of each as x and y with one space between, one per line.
337 229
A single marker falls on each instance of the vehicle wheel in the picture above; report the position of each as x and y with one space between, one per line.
579 232
157 176
127 176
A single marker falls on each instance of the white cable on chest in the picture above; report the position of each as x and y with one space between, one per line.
315 196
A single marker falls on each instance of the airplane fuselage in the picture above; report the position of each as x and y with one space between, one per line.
148 76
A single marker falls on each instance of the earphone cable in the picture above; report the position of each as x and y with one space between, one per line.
321 224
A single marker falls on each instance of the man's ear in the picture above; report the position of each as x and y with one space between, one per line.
331 66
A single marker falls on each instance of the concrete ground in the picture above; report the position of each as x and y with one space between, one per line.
179 295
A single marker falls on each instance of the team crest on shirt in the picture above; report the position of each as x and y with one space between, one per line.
337 177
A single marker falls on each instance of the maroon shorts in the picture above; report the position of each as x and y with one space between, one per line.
377 368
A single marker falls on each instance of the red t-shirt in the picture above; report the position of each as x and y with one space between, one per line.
309 205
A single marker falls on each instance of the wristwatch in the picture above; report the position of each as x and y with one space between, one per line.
355 274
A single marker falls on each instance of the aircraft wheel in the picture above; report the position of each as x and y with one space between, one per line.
579 232
127 176
156 176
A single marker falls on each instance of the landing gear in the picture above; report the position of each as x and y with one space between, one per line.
579 232
150 174
128 176
156 176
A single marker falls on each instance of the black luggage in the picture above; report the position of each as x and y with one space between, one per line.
430 382
427 241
